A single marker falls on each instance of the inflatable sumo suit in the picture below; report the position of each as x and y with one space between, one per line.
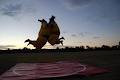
48 32
54 32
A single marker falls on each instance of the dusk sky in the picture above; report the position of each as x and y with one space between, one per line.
82 22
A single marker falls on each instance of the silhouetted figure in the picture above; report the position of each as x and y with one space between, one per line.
42 36
48 32
54 32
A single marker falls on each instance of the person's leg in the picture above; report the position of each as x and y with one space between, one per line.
41 41
53 39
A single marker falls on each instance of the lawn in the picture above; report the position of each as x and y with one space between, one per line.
104 59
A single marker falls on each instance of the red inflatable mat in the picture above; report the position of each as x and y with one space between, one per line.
26 71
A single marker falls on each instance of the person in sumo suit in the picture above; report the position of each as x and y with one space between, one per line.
54 32
42 36
48 32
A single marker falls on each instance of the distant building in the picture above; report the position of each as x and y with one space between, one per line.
119 43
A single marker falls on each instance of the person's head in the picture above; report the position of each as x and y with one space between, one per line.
52 18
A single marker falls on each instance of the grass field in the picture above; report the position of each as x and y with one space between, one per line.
105 59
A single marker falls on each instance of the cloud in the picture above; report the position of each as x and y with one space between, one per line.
64 32
73 4
89 34
3 1
11 9
96 37
83 34
6 46
73 35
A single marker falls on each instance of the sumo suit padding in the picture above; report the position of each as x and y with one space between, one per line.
48 32
54 32
43 33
